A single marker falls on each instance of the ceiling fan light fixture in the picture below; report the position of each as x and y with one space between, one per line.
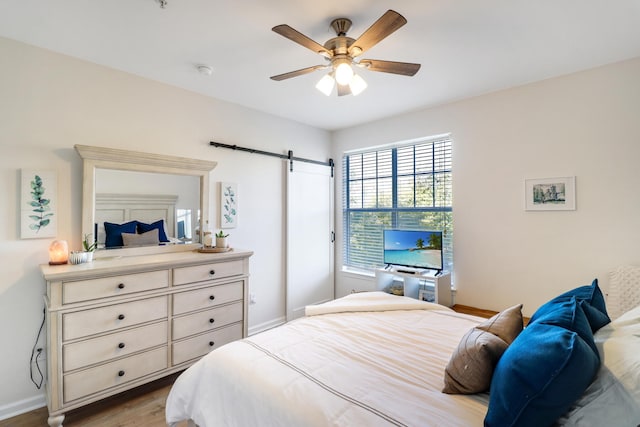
326 84
357 85
344 72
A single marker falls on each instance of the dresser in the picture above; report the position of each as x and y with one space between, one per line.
117 323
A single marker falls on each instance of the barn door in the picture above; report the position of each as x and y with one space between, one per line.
310 237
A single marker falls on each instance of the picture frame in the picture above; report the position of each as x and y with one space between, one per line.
38 204
550 194
228 205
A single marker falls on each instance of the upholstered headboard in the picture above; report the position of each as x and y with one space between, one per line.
120 208
624 290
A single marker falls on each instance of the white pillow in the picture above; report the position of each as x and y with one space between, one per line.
613 399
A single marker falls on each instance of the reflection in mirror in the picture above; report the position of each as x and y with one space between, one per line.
121 186
124 196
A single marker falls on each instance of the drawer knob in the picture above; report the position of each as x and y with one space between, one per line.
211 320
212 272
121 286
121 373
121 345
212 297
121 317
211 343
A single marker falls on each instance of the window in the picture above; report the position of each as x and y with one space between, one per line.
405 187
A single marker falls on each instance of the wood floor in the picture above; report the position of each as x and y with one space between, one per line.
142 407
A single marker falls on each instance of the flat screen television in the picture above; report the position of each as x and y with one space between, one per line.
413 248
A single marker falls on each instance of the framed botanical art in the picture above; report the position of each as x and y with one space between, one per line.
38 204
550 194
228 205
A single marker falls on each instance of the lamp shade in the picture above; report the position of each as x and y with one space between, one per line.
344 73
357 85
326 84
58 252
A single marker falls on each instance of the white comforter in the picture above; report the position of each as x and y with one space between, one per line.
368 359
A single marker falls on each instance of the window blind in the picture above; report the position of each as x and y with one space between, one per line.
404 187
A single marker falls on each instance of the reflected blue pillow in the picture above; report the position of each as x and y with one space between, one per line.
114 232
540 375
568 314
159 225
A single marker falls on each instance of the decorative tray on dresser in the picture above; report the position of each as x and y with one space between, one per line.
117 323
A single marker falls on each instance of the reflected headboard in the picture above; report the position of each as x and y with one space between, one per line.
120 208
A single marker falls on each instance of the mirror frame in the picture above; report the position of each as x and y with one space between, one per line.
110 158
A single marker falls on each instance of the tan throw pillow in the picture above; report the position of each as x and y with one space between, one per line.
148 238
507 324
471 366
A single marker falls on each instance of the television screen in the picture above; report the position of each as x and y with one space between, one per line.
413 248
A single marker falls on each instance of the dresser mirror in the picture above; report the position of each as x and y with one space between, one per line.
121 186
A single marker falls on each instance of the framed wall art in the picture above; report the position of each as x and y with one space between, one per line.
550 194
38 204
228 205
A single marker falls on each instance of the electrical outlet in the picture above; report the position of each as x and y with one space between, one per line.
252 298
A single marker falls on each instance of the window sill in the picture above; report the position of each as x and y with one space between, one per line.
358 273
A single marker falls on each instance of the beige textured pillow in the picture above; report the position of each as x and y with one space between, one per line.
148 238
471 366
507 324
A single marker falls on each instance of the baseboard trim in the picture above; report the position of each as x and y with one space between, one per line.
22 406
267 325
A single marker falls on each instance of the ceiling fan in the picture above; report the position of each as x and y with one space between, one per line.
342 52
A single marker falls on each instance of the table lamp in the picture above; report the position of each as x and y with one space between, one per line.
58 252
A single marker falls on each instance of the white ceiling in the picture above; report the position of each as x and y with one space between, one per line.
466 47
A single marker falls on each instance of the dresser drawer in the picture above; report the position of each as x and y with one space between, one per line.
200 345
206 320
97 320
200 273
119 344
198 299
84 290
102 377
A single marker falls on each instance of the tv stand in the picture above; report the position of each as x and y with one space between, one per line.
412 281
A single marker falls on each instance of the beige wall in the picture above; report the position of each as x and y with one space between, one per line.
584 125
49 102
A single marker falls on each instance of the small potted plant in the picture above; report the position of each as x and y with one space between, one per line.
89 247
221 239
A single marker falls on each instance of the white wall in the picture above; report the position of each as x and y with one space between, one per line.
584 125
49 102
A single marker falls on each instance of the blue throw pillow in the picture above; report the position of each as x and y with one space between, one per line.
159 225
568 314
114 232
540 375
597 319
587 295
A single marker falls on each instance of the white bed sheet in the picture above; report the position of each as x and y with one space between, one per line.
342 369
374 359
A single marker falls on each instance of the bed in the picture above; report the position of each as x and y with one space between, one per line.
373 359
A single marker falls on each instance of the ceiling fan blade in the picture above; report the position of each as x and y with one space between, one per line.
343 90
297 73
296 36
403 68
385 25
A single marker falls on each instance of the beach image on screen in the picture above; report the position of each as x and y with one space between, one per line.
422 249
